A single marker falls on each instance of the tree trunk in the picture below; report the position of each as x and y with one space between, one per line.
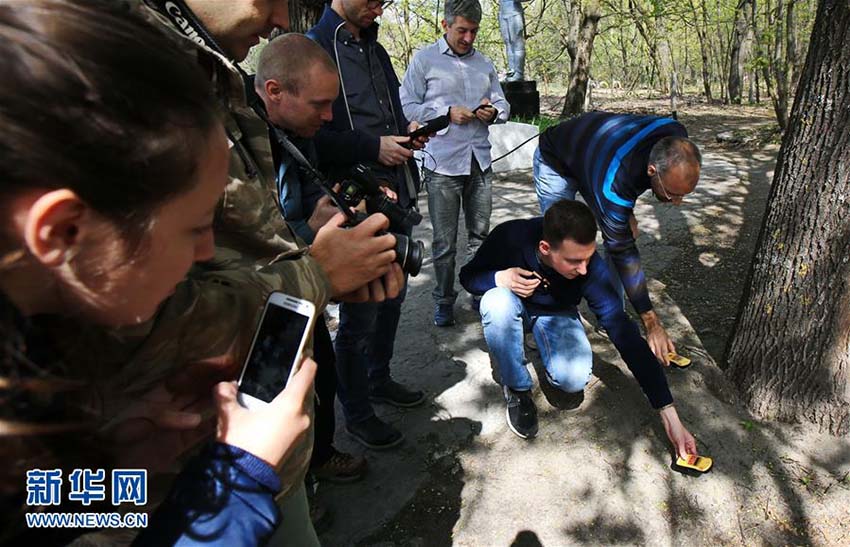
665 56
721 56
780 69
580 70
703 49
791 53
649 38
754 73
790 353
303 14
736 62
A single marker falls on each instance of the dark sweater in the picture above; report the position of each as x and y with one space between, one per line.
514 244
607 155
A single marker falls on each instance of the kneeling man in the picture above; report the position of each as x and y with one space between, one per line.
532 274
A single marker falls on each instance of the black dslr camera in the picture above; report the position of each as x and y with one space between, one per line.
364 186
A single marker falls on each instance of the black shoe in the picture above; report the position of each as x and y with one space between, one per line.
375 434
521 413
393 393
572 401
321 517
444 315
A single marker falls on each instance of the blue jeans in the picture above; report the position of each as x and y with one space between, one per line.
551 187
512 28
446 195
364 347
563 345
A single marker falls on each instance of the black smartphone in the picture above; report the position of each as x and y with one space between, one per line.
431 126
480 106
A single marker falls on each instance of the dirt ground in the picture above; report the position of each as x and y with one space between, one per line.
602 475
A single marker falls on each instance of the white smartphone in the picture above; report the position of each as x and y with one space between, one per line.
277 349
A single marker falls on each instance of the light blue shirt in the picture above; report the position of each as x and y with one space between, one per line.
436 79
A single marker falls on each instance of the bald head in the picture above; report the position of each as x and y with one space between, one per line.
675 151
297 82
287 59
676 161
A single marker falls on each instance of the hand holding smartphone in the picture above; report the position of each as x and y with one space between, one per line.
272 432
431 126
277 349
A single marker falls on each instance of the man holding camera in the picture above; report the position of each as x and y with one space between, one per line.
451 77
532 274
367 127
297 83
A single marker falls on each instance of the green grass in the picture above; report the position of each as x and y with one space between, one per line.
542 122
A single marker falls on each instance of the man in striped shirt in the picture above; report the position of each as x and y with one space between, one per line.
611 159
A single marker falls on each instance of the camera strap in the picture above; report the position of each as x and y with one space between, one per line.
308 169
182 17
187 22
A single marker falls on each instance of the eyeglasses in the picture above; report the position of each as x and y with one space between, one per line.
375 4
674 198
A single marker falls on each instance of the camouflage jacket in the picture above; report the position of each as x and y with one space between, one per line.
138 370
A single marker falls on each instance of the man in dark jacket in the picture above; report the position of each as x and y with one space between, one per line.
367 127
531 275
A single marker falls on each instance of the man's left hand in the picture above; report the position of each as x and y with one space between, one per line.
683 442
378 290
487 113
657 338
389 193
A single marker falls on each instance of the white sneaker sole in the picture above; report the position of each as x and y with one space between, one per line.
511 427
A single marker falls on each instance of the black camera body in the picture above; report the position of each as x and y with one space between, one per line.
364 186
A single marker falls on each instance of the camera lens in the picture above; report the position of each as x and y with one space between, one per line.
409 253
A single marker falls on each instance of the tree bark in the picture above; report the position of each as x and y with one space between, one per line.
640 19
580 66
790 353
779 65
303 14
703 48
736 62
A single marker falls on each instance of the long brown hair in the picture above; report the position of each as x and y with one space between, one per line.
95 99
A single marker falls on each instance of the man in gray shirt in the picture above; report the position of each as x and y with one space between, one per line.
451 77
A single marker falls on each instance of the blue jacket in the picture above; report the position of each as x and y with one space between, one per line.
514 244
338 144
224 496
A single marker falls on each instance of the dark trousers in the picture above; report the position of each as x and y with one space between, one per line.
325 420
